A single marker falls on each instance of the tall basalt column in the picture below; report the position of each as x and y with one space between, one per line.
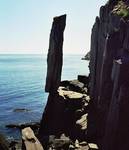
113 115
117 125
54 69
55 54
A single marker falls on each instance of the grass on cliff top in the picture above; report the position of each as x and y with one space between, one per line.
121 9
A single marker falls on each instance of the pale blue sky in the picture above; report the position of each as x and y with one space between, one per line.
25 24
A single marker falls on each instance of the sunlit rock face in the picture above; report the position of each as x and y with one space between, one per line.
109 82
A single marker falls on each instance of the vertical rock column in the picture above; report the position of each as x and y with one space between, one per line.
113 114
117 125
54 69
107 38
108 119
55 54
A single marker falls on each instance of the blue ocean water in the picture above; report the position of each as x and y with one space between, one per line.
22 81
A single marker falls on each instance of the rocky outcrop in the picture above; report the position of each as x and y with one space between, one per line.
86 57
54 68
55 57
64 121
68 113
66 109
109 62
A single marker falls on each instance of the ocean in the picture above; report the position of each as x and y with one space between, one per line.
22 82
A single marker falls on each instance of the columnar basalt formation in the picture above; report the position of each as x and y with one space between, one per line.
54 68
109 83
55 54
64 120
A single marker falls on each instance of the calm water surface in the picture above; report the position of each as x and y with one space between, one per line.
22 81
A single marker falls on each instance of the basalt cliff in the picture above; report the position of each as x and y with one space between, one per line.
108 120
107 108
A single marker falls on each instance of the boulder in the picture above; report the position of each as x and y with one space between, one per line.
92 146
73 99
30 141
74 85
70 94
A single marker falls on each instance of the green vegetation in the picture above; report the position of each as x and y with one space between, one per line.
121 9
123 12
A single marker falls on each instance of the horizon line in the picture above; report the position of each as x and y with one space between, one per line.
37 53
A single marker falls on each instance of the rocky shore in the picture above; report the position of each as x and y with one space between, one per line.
66 118
64 121
91 112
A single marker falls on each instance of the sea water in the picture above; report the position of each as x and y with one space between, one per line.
22 82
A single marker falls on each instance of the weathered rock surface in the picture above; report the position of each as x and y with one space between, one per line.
30 141
67 113
55 57
61 142
109 83
54 67
74 85
93 146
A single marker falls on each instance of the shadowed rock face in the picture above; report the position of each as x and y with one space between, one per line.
55 57
66 111
109 83
54 68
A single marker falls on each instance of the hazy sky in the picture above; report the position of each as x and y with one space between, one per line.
25 24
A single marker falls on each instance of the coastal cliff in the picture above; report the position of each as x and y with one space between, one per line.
108 121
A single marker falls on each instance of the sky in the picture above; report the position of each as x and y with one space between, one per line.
25 25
